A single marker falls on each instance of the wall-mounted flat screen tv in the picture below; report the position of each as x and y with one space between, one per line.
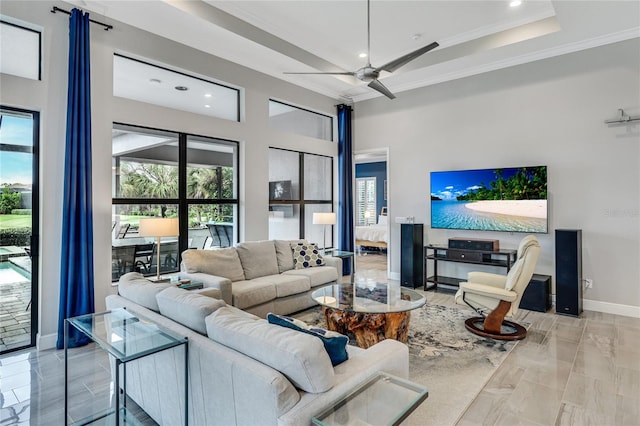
506 199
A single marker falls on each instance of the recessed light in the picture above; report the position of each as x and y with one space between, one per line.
416 36
182 88
207 95
515 3
362 55
207 106
154 81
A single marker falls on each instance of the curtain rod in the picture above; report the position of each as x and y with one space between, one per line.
107 27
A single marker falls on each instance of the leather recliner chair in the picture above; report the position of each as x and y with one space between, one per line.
500 295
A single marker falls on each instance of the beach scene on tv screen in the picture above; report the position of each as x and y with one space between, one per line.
509 199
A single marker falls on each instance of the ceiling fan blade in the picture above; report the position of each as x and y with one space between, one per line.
397 63
376 85
327 73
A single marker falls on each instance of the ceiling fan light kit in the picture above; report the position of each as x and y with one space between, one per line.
370 74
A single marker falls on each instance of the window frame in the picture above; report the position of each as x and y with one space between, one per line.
332 122
196 77
365 203
182 201
13 24
301 202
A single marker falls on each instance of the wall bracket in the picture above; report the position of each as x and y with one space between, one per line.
622 118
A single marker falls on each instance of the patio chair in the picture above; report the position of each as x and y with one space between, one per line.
169 261
122 231
198 243
221 234
142 256
122 260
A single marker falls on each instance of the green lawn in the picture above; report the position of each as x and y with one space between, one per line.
14 221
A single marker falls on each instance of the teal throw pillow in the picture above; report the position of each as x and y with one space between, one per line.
334 343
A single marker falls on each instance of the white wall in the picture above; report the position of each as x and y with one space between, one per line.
49 97
550 112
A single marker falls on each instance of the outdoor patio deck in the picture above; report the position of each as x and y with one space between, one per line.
15 295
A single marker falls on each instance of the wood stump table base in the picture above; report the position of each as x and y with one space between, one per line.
369 329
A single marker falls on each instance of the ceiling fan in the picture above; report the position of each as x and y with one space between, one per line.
368 73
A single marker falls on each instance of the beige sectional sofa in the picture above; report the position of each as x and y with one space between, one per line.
260 276
242 370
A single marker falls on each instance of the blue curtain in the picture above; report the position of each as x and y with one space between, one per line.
76 264
345 185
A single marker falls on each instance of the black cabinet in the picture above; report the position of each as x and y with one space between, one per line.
537 296
411 255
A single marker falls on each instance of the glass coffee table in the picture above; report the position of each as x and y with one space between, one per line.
370 312
382 400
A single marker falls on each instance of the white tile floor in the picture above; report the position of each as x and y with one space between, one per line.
32 386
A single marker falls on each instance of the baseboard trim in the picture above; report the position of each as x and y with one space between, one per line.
611 308
47 341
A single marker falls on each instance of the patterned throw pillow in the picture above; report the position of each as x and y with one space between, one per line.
334 343
306 256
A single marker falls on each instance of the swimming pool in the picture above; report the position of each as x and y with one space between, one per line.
10 273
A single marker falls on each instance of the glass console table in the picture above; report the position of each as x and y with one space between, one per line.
127 338
382 400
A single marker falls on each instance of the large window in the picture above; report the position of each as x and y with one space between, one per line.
300 184
291 119
164 174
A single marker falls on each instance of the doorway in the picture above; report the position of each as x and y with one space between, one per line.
19 136
372 204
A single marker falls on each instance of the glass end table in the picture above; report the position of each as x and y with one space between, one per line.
382 400
343 255
125 337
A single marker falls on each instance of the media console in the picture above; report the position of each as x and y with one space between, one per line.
442 253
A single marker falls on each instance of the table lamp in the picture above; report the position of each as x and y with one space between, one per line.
158 227
324 219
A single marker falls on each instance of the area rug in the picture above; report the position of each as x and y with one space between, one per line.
453 363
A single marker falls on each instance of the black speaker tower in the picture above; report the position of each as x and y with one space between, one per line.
412 255
569 271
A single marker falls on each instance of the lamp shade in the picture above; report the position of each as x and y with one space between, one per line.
159 227
324 218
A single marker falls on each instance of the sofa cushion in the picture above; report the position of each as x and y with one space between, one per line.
306 256
187 308
300 357
251 293
135 287
284 255
318 275
221 262
334 343
286 285
258 258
